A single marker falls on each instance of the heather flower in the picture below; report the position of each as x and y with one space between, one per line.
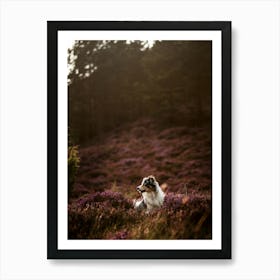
123 234
112 199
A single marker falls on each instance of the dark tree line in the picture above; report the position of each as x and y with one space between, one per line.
114 82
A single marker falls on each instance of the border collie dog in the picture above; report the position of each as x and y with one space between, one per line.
152 195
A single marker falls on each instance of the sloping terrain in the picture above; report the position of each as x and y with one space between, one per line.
110 170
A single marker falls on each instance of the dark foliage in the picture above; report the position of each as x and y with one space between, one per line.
114 82
73 166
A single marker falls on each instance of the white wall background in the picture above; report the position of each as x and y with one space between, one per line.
255 151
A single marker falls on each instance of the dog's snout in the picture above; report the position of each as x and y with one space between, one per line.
139 189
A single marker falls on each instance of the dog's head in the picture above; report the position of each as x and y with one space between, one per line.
149 184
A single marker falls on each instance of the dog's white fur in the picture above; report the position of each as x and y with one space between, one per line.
152 196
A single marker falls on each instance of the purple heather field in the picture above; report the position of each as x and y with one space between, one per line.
101 203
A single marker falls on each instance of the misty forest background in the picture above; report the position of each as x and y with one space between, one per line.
138 108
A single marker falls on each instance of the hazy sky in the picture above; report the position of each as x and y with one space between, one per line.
146 44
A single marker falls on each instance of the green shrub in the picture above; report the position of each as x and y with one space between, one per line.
73 166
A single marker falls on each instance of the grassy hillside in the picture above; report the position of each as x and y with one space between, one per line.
101 204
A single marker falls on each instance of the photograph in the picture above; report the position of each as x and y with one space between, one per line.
139 139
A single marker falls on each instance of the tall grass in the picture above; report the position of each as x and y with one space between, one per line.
109 215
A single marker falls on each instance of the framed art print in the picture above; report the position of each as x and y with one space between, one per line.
139 140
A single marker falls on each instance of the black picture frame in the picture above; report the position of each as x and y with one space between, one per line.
52 197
